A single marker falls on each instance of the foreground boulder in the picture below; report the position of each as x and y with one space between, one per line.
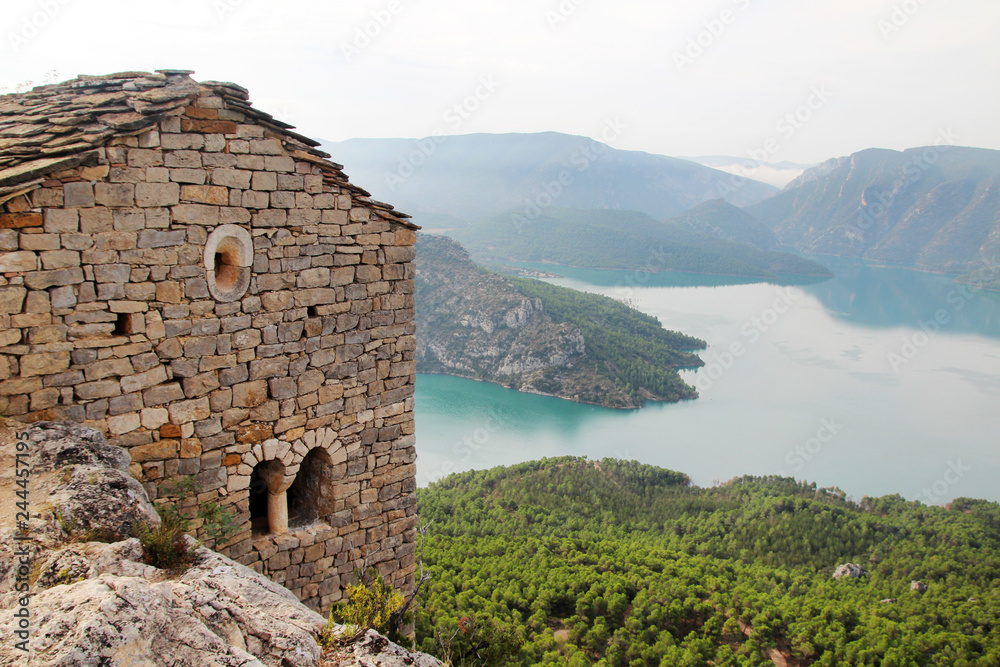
100 603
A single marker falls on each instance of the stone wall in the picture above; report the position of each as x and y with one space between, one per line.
212 296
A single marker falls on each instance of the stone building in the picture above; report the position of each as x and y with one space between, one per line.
195 279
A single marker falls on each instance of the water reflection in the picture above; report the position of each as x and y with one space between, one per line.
882 297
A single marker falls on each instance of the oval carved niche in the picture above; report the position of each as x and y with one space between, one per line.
228 258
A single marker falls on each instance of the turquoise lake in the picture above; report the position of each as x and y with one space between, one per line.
878 381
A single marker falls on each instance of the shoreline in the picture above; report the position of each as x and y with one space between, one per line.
562 398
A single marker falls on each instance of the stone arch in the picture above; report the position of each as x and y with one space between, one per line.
272 471
322 457
308 496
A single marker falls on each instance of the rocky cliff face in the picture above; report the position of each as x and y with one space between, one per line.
476 324
936 207
100 603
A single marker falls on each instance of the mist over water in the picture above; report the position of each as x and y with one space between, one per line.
878 381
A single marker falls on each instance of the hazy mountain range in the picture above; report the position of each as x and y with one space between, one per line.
935 208
449 181
714 237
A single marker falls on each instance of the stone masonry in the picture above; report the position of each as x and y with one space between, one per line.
193 278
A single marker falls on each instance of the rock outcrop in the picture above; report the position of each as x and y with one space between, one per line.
849 571
477 325
101 603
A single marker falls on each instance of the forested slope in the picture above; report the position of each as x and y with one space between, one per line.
541 338
568 561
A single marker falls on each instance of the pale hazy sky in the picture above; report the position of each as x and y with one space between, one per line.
889 73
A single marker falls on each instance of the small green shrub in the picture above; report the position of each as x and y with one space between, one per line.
368 606
165 547
219 522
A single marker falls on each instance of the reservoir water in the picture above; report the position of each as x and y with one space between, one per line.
878 381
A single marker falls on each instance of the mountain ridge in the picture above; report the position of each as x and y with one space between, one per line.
633 240
934 208
476 175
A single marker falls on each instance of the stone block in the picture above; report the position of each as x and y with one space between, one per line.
78 195
18 262
153 418
189 411
162 394
157 451
250 394
142 381
114 194
184 159
201 384
59 259
44 363
122 424
267 368
232 178
195 214
34 242
157 194
99 370
205 194
149 238
90 391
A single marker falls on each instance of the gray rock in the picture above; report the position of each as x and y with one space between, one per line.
95 603
849 570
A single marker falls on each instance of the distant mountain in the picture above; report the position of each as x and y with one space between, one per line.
444 181
934 208
539 338
778 174
632 240
720 219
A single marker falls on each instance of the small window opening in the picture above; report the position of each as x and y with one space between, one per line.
226 270
312 311
307 497
123 325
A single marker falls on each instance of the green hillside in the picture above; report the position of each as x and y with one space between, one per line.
573 562
609 239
